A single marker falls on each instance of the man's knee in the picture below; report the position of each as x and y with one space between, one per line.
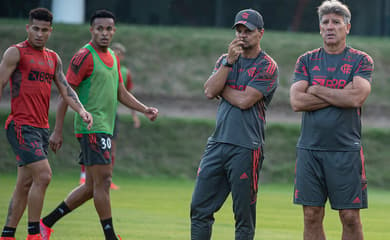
43 179
101 175
313 215
350 217
103 181
88 188
40 172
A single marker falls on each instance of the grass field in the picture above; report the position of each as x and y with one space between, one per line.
147 208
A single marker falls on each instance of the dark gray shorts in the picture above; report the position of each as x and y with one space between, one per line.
95 149
339 176
30 144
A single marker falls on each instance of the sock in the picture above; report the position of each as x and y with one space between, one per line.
8 232
33 228
108 229
56 215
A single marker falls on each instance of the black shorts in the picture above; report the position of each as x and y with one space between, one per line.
95 149
30 144
339 176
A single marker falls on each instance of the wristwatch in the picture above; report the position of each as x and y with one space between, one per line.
225 63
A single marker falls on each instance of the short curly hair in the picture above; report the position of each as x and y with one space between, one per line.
102 13
42 14
336 7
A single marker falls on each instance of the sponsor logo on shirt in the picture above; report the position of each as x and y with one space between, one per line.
316 68
40 76
330 83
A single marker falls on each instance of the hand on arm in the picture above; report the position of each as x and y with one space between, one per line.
216 82
242 99
70 96
126 98
302 101
351 96
8 65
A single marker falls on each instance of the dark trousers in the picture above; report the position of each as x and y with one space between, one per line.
226 168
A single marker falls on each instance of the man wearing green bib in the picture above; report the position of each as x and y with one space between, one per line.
94 72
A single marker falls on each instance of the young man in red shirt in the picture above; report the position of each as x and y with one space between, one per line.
31 68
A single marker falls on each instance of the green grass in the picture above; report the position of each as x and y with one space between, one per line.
158 208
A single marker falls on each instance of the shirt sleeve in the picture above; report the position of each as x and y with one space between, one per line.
218 63
80 67
265 77
365 68
300 72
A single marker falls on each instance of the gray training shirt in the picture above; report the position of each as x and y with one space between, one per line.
332 128
246 127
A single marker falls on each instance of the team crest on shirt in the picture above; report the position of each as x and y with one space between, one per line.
346 68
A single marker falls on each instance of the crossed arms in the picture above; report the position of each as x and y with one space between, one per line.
215 87
305 98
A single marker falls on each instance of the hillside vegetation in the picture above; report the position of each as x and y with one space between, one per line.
176 61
